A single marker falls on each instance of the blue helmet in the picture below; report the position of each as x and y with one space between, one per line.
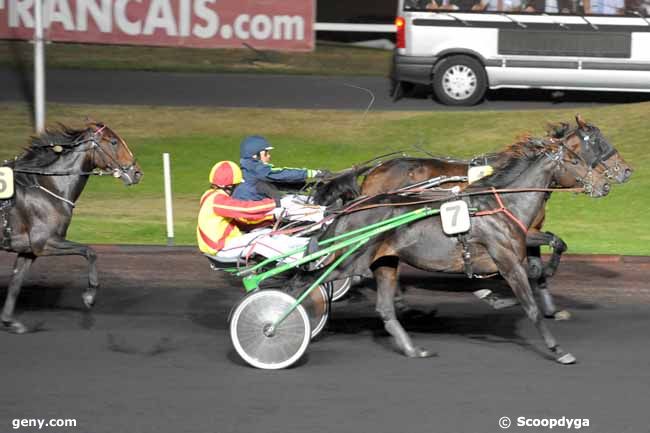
252 145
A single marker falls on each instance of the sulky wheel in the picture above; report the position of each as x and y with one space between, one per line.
340 288
318 308
257 342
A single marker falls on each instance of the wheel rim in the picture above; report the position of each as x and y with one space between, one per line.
254 315
317 309
459 82
341 288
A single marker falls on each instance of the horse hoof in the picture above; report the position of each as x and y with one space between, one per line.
419 352
15 327
88 299
562 315
566 359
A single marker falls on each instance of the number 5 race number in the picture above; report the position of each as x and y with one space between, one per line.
6 182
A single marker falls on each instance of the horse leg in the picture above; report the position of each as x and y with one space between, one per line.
547 299
558 246
515 274
400 303
386 277
539 286
63 247
535 271
535 239
21 267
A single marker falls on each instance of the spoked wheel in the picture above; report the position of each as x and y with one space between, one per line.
318 309
254 337
340 288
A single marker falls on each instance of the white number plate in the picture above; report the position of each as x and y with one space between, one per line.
6 182
455 217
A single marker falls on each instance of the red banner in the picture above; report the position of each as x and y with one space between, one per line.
262 24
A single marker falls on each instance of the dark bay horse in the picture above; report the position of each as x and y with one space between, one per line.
586 140
49 178
495 242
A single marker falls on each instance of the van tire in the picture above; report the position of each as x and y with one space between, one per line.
459 80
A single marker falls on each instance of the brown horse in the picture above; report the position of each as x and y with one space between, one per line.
586 140
49 178
495 242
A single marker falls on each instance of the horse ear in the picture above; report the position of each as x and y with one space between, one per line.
580 121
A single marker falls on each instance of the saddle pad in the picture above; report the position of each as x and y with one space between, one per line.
6 182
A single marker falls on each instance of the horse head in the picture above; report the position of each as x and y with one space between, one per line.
571 170
588 141
112 154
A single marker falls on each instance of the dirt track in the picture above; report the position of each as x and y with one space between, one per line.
154 355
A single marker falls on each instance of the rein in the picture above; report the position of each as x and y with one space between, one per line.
352 208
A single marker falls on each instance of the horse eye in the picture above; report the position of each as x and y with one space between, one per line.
575 161
114 141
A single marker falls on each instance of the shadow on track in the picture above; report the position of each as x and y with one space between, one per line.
556 97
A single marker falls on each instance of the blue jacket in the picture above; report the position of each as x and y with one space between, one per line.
254 171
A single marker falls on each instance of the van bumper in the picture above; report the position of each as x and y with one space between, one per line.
413 69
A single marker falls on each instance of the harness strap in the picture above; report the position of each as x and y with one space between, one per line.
502 209
63 199
5 207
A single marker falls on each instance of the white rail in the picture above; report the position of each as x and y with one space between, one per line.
168 198
344 27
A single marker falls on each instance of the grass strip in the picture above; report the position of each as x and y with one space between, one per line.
196 138
326 59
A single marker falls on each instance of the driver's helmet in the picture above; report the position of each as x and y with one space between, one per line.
252 145
225 173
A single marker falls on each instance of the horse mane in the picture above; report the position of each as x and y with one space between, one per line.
40 151
518 157
557 130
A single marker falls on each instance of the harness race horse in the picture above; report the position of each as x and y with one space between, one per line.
49 178
508 203
586 140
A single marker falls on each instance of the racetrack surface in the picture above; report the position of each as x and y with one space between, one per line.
268 91
154 354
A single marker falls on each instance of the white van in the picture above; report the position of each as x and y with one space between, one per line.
463 47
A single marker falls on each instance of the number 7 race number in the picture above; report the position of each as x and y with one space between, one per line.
6 182
455 217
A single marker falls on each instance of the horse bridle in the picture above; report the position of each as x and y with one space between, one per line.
116 172
593 142
558 156
119 170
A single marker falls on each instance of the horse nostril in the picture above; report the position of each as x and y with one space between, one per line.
628 173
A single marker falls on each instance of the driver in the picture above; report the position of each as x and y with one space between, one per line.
259 175
223 218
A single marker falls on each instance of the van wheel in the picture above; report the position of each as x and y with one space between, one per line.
459 80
